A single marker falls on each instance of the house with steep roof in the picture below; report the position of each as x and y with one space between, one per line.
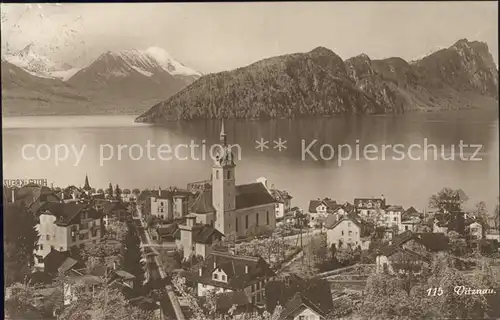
409 247
392 217
410 220
196 238
60 262
319 209
366 207
299 297
65 225
349 229
232 209
283 202
222 272
114 210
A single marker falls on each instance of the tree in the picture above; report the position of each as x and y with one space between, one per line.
345 255
21 303
20 238
457 244
481 214
99 302
109 191
132 255
448 200
118 192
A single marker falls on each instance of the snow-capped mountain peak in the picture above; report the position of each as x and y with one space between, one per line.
35 63
170 64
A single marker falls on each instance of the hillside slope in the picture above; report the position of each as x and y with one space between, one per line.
320 83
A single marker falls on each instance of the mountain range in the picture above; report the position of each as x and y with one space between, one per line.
314 83
320 83
127 82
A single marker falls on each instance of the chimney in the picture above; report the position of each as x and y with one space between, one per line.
246 269
215 264
114 265
13 195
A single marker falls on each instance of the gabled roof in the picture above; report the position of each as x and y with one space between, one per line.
206 234
68 213
331 205
167 230
235 267
296 302
411 212
365 227
252 195
315 291
280 195
59 261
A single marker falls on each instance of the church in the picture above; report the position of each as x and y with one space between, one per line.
234 210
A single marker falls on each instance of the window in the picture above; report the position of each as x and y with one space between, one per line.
40 247
342 232
406 228
61 249
350 233
216 276
47 237
302 318
246 222
229 174
395 219
257 219
217 174
267 217
223 277
348 224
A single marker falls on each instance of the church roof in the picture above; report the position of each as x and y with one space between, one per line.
252 195
247 196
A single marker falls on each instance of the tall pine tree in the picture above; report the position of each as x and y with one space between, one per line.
20 238
132 255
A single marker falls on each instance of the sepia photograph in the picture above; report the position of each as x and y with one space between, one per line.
250 160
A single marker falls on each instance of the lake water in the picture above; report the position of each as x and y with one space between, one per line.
406 181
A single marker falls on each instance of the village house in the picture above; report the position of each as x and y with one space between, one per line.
232 209
367 207
349 229
409 249
283 202
169 204
65 225
300 298
392 217
319 211
224 272
197 239
410 220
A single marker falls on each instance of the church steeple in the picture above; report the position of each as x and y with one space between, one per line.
223 138
86 186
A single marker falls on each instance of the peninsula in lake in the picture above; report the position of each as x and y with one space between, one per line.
320 83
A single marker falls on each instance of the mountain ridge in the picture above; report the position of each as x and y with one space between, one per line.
126 82
319 82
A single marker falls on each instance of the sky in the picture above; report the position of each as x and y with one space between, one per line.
213 37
